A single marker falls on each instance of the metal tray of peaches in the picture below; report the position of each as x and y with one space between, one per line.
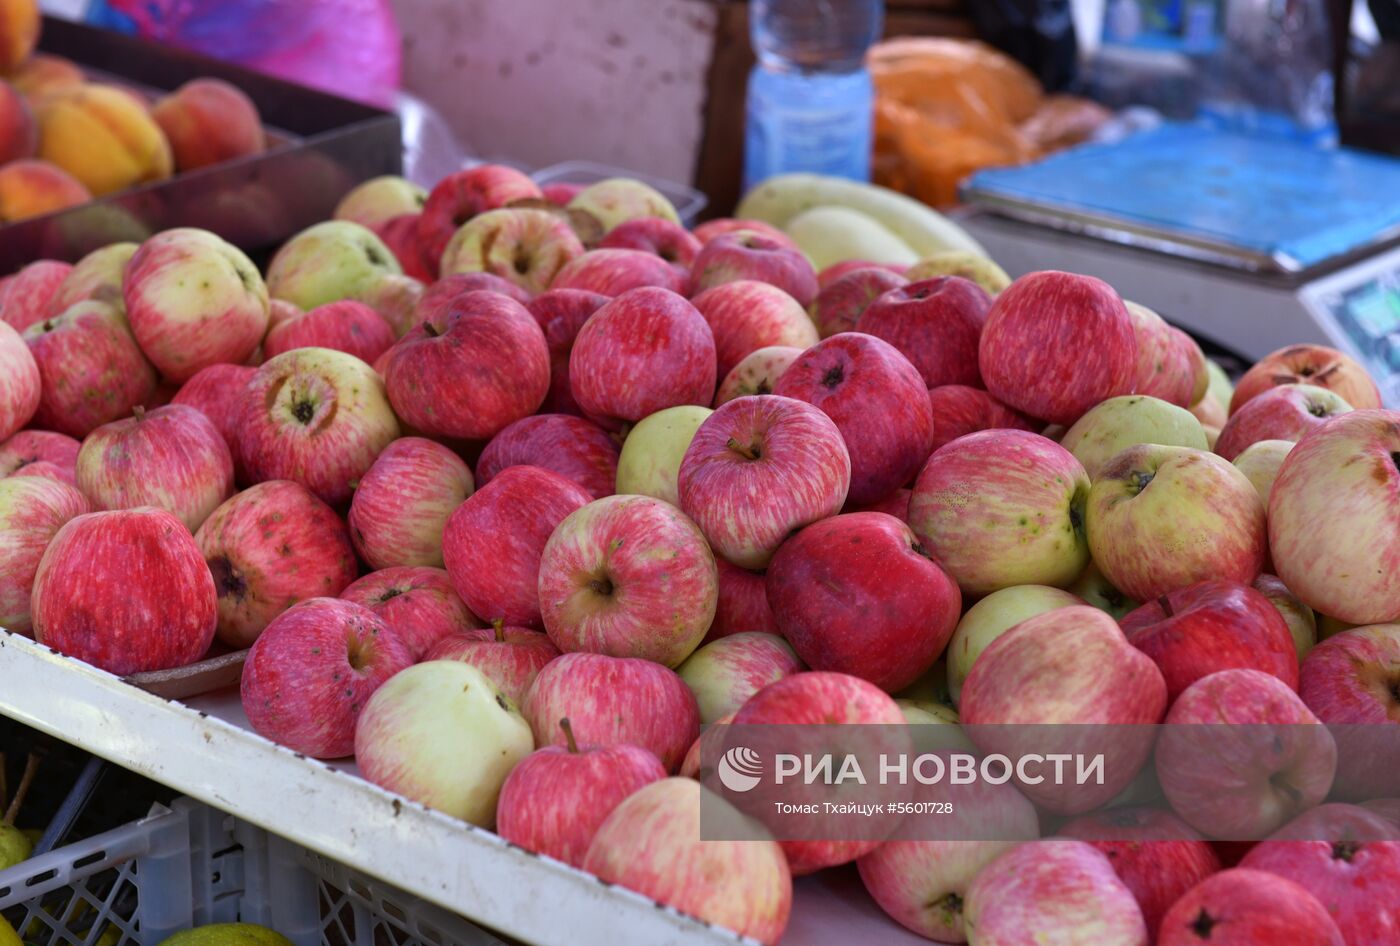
319 147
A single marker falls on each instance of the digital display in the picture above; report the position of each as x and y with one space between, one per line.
1369 313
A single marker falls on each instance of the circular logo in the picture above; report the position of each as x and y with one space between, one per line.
740 769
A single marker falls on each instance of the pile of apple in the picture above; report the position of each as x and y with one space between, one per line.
508 492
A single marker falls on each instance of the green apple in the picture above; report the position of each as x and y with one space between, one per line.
948 736
15 848
329 262
993 616
1301 619
1260 462
652 453
979 269
932 687
1121 422
1221 389
725 673
1099 592
831 235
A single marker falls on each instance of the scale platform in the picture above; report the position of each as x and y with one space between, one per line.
1252 243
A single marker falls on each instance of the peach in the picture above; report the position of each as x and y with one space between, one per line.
103 137
208 121
19 31
42 74
34 188
19 135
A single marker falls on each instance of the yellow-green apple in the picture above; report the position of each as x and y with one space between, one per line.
1287 412
140 570
348 326
557 798
1166 368
1096 590
1241 755
1317 365
1260 462
1058 890
841 302
1118 423
936 324
268 547
575 448
613 700
311 672
959 410
328 262
20 384
1352 682
878 402
1334 518
628 576
97 276
719 226
613 272
194 300
217 393
921 879
419 603
560 314
402 503
316 417
26 296
1200 365
463 195
511 657
1162 517
395 298
858 594
1301 620
1000 508
724 673
1200 629
992 617
39 452
400 235
493 541
657 236
747 315
756 373
758 469
604 205
749 255
968 265
1072 674
743 603
442 734
523 245
379 200
1156 855
32 510
646 350
650 462
91 370
1055 344
483 336
171 458
652 843
1241 907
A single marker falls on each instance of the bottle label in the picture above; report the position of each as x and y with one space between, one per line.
827 130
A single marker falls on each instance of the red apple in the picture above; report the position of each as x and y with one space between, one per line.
747 315
758 468
561 192
756 373
561 313
959 410
439 296
613 272
1352 682
858 594
746 254
936 324
613 700
348 326
32 510
57 453
217 393
575 448
1317 365
1055 344
628 576
652 843
400 235
402 503
1248 908
511 657
895 504
742 605
26 296
720 226
1241 755
310 673
1195 631
462 195
469 372
269 547
835 271
843 300
1283 413
140 570
20 383
90 368
493 542
656 236
878 402
420 604
1165 366
171 458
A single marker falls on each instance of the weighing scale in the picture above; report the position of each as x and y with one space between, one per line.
1248 242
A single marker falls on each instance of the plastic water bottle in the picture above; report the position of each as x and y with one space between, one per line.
810 98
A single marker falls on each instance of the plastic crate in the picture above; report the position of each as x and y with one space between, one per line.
188 865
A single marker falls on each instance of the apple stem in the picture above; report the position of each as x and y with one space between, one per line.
31 769
138 412
1165 603
748 453
500 627
569 735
